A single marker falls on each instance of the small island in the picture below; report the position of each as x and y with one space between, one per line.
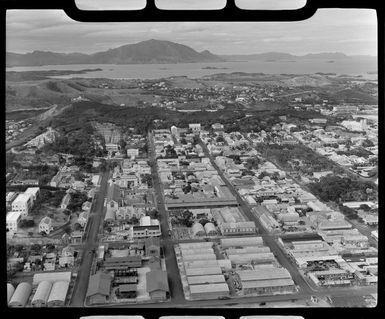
214 68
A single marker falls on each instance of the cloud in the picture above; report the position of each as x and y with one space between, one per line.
352 31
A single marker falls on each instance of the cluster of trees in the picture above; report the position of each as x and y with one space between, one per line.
185 218
297 157
337 189
348 212
252 163
154 214
26 223
76 202
147 178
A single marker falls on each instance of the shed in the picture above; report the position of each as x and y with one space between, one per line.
198 230
41 295
58 294
157 284
99 288
21 295
210 229
51 277
241 242
10 291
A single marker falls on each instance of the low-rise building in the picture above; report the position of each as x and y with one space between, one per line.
12 220
45 225
157 285
99 288
23 203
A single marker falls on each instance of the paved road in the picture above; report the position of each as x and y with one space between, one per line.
91 242
175 284
333 292
269 240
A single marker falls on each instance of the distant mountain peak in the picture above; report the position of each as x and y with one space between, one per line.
144 52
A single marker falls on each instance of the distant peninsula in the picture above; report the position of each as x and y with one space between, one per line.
16 76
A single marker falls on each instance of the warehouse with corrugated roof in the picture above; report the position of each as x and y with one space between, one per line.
194 251
203 244
206 256
248 250
209 291
253 258
213 270
51 277
235 242
10 291
206 279
21 295
266 281
41 295
58 294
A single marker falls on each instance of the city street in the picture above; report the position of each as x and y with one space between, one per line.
90 243
332 292
269 240
175 284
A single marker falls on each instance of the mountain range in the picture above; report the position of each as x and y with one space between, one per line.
149 52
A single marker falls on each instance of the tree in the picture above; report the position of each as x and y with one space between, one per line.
77 227
204 221
220 139
365 207
67 229
26 223
154 214
252 163
122 143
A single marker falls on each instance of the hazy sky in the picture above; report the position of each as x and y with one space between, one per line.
352 31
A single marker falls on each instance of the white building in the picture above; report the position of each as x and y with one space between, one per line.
195 127
45 225
23 203
34 191
132 152
12 220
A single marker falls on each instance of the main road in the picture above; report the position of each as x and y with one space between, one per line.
91 243
326 292
270 241
175 284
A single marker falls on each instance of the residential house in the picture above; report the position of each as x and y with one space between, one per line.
65 201
45 225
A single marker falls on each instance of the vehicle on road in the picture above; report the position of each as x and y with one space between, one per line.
224 298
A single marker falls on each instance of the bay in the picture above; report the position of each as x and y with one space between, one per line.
351 66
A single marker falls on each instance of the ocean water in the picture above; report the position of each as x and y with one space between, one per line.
351 66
